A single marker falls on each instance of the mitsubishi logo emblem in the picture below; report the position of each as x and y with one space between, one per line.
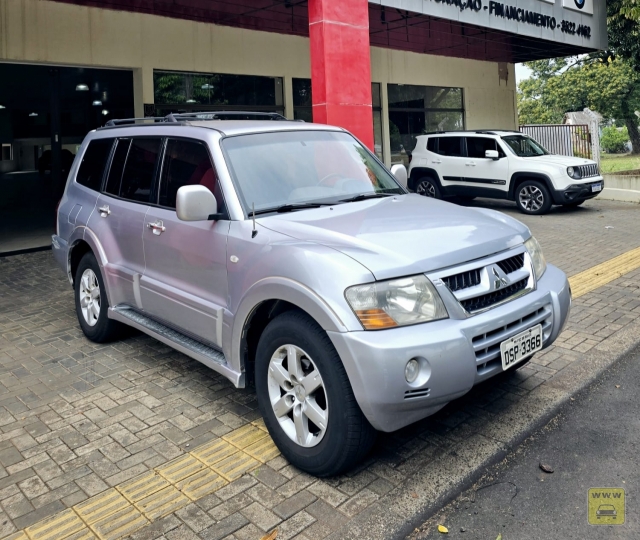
500 278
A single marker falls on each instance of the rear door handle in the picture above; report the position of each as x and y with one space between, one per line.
157 227
104 210
436 161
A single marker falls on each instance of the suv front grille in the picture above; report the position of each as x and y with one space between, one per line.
587 171
463 280
487 300
512 264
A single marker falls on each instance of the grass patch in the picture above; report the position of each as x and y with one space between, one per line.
612 163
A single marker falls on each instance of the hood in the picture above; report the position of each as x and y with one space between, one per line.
563 161
405 234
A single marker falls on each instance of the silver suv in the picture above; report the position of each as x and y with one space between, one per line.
285 255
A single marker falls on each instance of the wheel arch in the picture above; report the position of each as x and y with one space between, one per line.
519 177
421 172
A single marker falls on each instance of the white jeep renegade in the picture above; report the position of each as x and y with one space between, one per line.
500 165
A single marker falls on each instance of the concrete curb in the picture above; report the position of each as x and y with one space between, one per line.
404 508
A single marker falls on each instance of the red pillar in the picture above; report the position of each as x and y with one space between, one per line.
341 65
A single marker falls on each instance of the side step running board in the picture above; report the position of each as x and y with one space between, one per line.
209 356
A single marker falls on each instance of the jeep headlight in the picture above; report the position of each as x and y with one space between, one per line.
537 258
574 172
396 302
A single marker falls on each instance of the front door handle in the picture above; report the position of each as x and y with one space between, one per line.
157 227
104 210
470 164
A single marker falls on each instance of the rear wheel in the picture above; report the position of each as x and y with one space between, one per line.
91 302
306 398
533 198
427 187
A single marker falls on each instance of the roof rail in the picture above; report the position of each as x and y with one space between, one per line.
176 118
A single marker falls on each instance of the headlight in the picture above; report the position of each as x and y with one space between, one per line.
537 258
396 302
574 172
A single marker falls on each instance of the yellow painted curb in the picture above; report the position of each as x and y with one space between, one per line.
601 274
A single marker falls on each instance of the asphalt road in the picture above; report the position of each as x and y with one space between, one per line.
593 442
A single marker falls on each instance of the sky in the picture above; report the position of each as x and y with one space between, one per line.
522 72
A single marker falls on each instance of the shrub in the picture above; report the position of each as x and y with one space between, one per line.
613 140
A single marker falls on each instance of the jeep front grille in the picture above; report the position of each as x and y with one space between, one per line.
587 171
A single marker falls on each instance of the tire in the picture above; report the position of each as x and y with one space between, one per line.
427 187
347 435
94 322
533 198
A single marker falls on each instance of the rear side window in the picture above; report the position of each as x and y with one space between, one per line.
136 180
450 146
94 160
186 163
477 146
432 144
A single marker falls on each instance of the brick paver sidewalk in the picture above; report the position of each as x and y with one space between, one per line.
77 419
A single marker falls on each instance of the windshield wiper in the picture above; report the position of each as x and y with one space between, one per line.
365 196
292 207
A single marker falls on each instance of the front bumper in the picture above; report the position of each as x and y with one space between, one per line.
454 354
578 192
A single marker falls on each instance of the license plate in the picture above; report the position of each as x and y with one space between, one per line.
519 347
596 187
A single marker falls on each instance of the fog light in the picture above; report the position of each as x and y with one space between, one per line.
411 370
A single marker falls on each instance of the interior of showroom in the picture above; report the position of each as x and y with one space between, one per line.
393 71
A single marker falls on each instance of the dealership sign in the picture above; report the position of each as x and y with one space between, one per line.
584 6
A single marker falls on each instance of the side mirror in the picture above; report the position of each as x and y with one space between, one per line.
195 203
400 172
492 154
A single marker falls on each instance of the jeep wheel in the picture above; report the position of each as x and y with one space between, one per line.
533 198
306 398
427 187
91 302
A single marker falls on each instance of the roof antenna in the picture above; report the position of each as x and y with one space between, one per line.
254 231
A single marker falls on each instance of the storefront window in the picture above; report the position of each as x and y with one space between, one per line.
302 108
177 91
414 110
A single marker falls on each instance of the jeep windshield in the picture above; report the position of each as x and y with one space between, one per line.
304 169
524 146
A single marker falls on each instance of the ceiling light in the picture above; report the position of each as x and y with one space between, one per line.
97 103
82 88
33 114
105 112
207 86
191 101
2 107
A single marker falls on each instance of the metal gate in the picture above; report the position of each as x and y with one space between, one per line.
563 139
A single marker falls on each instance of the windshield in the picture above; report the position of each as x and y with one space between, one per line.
524 146
293 167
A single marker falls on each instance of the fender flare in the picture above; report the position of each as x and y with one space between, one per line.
83 234
284 289
515 177
419 172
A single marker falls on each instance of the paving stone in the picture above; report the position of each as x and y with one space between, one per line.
261 516
225 527
294 504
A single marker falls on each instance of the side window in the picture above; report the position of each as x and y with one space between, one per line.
477 146
450 146
136 179
114 177
432 145
186 163
94 160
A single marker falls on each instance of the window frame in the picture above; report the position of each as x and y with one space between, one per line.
107 164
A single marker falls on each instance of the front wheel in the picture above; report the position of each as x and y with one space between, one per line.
428 188
306 398
533 198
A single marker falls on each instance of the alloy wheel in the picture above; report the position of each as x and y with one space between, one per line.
427 189
297 395
531 198
90 297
